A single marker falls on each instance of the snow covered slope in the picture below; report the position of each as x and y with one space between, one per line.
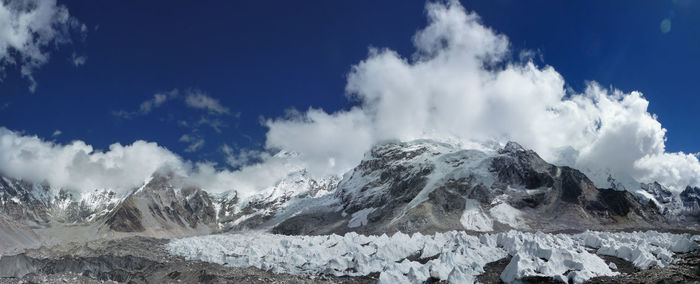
292 195
680 206
453 256
39 205
427 186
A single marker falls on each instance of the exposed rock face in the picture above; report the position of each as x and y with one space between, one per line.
126 218
428 186
165 206
168 206
90 205
691 201
567 198
27 208
659 192
681 207
25 201
39 204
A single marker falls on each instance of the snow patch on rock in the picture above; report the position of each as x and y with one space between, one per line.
509 215
474 219
359 218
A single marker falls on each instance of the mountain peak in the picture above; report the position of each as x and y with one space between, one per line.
511 147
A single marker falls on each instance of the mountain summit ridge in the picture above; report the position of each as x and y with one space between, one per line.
417 186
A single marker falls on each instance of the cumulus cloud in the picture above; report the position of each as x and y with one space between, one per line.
28 29
121 168
460 86
197 99
78 165
57 133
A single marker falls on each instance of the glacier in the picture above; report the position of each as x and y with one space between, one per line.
454 256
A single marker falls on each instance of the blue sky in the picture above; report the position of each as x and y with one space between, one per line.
260 58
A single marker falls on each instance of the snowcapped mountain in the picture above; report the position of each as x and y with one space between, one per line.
679 206
40 204
419 186
683 206
164 206
34 214
427 186
292 195
167 205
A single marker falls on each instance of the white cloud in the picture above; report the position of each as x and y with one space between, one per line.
157 100
123 114
676 169
78 60
195 146
28 29
57 133
197 99
147 106
121 168
243 157
79 166
215 123
458 85
249 179
195 143
192 99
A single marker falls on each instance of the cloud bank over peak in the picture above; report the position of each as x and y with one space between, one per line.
78 166
458 86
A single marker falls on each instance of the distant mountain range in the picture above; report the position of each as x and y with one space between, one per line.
419 186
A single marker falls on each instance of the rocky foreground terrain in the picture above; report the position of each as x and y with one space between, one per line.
136 260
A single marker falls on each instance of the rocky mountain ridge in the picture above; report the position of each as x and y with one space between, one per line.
419 186
427 187
684 206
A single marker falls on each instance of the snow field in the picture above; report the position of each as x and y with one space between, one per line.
452 256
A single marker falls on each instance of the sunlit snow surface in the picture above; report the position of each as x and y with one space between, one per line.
452 256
